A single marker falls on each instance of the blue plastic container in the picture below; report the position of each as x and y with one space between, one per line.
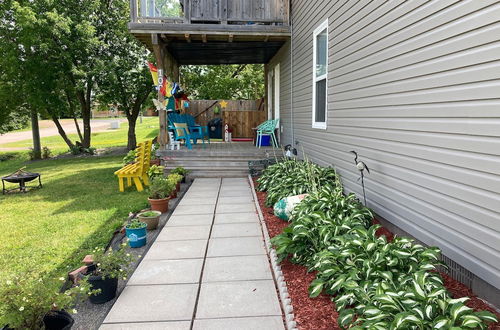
136 237
265 140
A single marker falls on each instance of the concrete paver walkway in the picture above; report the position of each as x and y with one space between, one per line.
208 268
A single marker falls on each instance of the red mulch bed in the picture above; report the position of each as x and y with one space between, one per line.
320 313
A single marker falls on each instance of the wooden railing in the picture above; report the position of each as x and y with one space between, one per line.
266 12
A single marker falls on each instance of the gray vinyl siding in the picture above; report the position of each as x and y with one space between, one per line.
414 88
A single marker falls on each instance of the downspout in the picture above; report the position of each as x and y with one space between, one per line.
291 75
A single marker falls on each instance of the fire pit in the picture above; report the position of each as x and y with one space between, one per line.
21 177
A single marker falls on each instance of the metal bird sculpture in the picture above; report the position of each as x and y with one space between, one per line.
361 166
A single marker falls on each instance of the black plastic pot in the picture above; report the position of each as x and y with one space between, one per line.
58 320
183 179
108 288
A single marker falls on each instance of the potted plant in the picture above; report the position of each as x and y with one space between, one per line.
130 157
31 302
136 233
155 171
150 218
155 160
160 190
104 272
176 181
182 171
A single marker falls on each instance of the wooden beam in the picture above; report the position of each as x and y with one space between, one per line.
204 38
187 36
159 52
230 37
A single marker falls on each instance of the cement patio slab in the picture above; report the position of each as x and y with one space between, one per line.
236 217
190 220
198 200
173 325
241 323
177 250
183 233
237 269
236 230
235 200
235 208
239 246
147 303
152 272
194 209
238 299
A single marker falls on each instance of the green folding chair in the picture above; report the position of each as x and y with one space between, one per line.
267 128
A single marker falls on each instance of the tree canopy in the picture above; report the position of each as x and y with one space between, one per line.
215 82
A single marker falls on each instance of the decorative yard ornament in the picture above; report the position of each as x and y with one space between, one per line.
223 104
289 151
160 105
361 166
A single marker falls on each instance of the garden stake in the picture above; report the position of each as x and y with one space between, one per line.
361 166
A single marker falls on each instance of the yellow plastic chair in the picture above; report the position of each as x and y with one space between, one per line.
138 171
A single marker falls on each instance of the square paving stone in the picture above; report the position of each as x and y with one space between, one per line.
201 194
236 217
241 323
238 299
234 180
234 208
194 209
173 325
207 180
198 200
190 220
177 250
167 272
236 230
237 269
148 303
183 233
235 246
235 200
236 193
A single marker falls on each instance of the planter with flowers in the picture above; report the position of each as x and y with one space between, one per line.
160 190
104 272
155 160
175 179
150 218
155 171
30 302
136 233
182 171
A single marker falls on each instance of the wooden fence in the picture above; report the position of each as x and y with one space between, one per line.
241 115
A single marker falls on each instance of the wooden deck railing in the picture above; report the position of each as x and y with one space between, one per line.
265 12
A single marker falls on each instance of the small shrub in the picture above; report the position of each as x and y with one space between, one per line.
180 170
135 224
113 263
155 171
174 178
130 157
160 188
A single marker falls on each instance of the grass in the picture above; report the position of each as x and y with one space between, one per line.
50 230
79 207
109 138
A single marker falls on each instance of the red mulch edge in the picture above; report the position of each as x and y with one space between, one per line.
320 313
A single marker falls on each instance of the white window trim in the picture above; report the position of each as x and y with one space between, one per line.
318 30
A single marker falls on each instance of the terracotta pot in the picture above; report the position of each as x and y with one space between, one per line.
178 186
173 194
159 204
151 222
154 162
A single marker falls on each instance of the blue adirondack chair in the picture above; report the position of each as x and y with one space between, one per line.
191 132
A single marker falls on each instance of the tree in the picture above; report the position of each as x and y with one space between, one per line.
126 81
215 82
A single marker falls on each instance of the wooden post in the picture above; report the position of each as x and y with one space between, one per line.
162 115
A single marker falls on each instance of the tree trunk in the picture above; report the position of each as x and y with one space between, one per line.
61 131
132 140
86 106
73 114
35 130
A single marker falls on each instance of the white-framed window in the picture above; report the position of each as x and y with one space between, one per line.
320 76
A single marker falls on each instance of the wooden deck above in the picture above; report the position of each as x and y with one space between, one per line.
213 31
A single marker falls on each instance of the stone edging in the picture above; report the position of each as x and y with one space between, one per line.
279 279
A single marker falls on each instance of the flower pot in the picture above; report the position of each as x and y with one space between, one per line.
159 204
58 320
154 162
151 222
108 288
183 179
173 194
178 186
136 237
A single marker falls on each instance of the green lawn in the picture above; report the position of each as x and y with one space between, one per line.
78 208
109 138
51 229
